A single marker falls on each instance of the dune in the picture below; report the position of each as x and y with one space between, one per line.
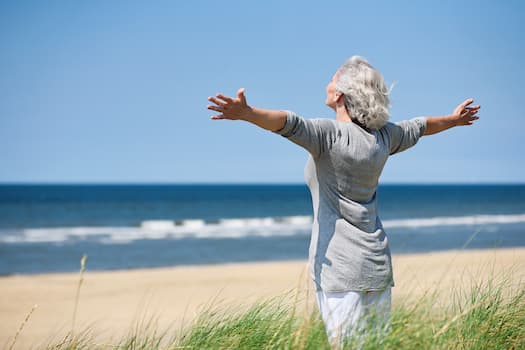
111 303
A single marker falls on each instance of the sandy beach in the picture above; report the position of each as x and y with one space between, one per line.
112 302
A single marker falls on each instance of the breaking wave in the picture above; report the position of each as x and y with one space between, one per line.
223 228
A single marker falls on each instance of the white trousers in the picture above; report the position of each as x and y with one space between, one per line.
351 314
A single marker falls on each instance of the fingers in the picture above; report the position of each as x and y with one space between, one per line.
227 106
470 120
467 102
220 106
225 98
473 109
240 96
221 102
219 109
216 101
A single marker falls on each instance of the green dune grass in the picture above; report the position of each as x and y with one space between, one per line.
486 315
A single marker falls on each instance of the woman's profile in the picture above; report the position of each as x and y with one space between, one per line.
349 256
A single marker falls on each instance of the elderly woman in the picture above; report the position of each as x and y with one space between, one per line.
349 255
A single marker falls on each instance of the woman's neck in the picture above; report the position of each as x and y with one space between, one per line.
341 114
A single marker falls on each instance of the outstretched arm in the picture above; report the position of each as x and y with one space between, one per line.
462 115
238 109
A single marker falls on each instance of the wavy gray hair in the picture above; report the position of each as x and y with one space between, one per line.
365 92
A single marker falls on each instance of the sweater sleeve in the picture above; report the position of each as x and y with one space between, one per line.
405 134
311 134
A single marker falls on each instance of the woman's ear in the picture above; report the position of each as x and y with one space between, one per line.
338 97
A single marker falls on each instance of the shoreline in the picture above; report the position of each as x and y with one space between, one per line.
112 301
226 263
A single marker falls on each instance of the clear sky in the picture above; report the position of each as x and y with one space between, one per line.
116 91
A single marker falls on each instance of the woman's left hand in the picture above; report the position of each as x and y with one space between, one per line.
230 108
238 109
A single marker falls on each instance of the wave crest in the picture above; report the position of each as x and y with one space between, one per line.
223 228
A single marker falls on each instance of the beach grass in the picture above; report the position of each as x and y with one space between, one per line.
488 314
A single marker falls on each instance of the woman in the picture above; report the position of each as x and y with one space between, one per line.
349 256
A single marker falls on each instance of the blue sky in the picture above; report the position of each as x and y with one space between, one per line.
115 91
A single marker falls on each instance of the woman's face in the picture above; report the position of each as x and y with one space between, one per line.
331 96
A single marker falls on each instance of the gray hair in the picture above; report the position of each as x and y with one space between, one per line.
365 92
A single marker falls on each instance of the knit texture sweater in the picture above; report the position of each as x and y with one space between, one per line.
349 248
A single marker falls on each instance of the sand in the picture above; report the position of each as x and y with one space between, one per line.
111 303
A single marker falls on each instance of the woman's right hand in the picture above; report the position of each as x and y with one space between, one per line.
464 115
230 108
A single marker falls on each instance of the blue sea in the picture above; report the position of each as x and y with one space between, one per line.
47 228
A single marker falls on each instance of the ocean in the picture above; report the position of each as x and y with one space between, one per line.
47 228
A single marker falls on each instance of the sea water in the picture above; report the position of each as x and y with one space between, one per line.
47 228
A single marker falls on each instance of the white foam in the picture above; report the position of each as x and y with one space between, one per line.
243 223
157 225
298 220
225 228
455 221
193 224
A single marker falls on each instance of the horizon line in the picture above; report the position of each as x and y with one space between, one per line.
202 183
